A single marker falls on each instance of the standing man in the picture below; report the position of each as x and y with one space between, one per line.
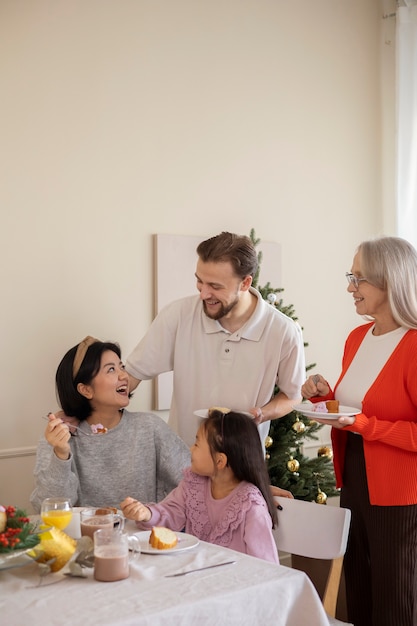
226 347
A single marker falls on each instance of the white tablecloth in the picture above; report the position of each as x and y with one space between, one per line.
249 592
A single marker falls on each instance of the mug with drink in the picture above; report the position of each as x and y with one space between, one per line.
111 554
93 518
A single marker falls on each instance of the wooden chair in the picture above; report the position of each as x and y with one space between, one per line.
315 531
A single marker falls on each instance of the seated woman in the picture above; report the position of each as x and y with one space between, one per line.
134 453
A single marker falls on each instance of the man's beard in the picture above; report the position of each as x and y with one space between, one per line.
224 310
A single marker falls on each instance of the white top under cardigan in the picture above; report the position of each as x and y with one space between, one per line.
369 360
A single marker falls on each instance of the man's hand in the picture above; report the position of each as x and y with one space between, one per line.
283 493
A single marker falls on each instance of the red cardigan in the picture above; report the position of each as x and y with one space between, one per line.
388 424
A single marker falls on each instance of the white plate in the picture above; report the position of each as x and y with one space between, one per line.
185 542
343 411
204 413
17 558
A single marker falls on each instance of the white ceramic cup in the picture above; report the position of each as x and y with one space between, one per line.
74 529
111 554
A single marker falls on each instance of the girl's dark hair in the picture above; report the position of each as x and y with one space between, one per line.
72 402
235 249
237 436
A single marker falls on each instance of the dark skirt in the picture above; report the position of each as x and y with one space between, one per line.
381 558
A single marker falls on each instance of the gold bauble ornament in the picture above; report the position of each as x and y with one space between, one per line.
268 441
293 465
267 456
299 426
321 497
325 451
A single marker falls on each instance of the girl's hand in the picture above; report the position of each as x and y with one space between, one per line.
315 386
57 434
135 510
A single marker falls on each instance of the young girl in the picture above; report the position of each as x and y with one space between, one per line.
224 498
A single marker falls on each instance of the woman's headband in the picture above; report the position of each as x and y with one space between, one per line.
80 354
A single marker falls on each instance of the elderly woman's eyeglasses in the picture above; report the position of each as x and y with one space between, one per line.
354 280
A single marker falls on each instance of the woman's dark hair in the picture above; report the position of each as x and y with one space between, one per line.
72 402
237 436
235 249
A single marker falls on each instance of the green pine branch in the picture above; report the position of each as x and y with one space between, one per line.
312 474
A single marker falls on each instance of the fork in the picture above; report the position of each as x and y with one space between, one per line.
45 417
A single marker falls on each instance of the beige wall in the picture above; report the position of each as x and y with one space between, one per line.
129 118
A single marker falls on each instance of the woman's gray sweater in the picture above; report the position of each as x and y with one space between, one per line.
141 457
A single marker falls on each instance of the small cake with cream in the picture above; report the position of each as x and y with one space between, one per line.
98 429
319 407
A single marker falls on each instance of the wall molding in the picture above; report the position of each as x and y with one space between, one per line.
14 453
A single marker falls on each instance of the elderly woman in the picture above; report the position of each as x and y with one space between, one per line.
375 452
112 452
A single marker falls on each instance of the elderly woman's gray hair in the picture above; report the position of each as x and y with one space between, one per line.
390 263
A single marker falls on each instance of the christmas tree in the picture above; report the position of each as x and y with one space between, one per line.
306 478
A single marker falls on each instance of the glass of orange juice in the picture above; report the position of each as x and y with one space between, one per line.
56 512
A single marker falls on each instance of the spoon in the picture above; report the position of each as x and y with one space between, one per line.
45 417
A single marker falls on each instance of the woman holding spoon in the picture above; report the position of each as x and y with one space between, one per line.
110 452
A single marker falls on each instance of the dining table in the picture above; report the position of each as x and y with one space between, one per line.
221 586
